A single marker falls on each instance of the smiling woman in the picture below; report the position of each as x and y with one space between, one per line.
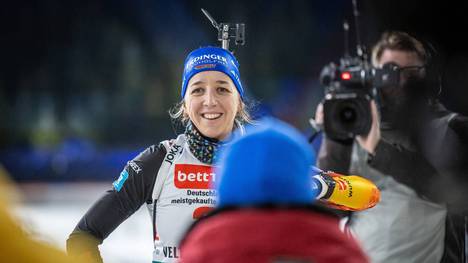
173 178
212 81
212 103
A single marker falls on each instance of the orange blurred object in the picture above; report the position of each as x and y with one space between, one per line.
349 192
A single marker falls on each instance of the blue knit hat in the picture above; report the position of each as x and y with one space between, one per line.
211 59
270 164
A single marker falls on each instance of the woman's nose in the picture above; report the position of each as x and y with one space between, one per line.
210 98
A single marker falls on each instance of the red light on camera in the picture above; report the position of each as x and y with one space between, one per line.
345 76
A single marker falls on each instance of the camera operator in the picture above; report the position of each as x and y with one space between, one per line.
416 153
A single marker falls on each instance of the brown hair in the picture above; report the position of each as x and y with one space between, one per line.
401 41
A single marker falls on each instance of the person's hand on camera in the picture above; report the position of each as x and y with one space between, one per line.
370 141
319 115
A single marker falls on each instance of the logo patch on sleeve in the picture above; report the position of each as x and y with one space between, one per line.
134 166
119 182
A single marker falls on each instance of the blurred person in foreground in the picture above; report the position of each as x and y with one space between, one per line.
264 211
416 153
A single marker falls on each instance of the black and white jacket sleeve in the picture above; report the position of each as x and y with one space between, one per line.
131 190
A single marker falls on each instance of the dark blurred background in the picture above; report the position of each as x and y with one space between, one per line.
85 85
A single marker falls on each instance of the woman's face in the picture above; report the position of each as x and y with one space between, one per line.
212 102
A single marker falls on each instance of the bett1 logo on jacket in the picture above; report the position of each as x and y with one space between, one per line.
191 176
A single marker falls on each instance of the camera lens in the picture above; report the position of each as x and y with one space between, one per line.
348 115
346 118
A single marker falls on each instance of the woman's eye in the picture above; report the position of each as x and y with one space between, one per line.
223 89
197 91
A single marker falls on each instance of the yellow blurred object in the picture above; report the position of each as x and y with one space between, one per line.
16 246
350 192
8 193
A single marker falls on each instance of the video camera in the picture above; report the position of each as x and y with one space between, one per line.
349 88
